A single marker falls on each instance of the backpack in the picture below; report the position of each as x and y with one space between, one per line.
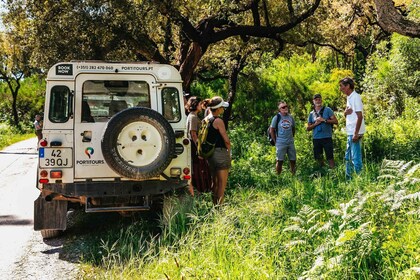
205 149
271 140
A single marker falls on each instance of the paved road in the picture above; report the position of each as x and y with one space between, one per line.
24 255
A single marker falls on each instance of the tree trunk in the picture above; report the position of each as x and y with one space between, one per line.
14 108
14 92
233 82
189 63
392 21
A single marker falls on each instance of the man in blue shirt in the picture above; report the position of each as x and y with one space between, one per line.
321 121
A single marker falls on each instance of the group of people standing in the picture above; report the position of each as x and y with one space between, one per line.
212 174
209 174
320 121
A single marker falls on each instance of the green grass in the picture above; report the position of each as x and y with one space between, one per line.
300 227
9 135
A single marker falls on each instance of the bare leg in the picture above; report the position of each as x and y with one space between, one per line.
191 189
279 166
222 176
214 187
293 166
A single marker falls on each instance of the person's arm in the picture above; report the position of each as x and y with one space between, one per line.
358 125
194 136
273 134
332 120
220 126
310 126
37 126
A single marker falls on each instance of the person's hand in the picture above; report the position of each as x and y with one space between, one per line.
348 111
355 138
319 120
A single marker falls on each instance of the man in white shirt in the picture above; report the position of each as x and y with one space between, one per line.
355 127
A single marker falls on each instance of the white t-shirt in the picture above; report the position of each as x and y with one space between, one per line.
355 103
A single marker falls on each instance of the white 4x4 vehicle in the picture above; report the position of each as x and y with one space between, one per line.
114 139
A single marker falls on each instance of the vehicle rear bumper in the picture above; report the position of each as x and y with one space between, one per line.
115 188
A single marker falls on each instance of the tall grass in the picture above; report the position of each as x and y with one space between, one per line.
315 225
300 229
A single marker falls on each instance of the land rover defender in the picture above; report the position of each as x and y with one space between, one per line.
114 140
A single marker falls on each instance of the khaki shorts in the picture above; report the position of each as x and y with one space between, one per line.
283 149
220 160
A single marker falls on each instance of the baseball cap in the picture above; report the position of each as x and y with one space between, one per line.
317 96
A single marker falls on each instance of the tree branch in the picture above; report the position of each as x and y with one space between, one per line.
392 21
262 31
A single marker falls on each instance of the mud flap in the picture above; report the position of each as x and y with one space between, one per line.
50 214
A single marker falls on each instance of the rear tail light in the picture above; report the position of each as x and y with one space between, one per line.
186 172
43 181
43 143
56 174
44 173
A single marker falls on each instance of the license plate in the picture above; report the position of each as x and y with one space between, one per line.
55 157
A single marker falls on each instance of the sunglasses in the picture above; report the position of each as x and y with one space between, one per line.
283 107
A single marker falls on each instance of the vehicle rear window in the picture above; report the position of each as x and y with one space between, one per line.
171 104
59 110
103 99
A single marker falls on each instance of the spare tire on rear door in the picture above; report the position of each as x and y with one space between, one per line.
138 143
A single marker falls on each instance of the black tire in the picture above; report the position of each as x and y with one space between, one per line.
50 233
138 143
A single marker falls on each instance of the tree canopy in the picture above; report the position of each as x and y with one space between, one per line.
205 39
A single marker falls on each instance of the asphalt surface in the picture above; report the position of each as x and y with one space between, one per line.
24 254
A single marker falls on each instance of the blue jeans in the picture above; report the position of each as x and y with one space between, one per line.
353 156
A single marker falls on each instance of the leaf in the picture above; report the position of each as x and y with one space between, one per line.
294 243
416 269
346 236
294 228
334 212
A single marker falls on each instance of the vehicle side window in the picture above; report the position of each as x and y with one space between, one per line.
171 104
59 104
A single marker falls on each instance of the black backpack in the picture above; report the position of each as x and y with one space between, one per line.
271 140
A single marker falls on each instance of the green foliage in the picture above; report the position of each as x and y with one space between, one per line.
30 101
395 138
10 135
392 75
294 80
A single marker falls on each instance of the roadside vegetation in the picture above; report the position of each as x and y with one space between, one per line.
10 135
315 225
